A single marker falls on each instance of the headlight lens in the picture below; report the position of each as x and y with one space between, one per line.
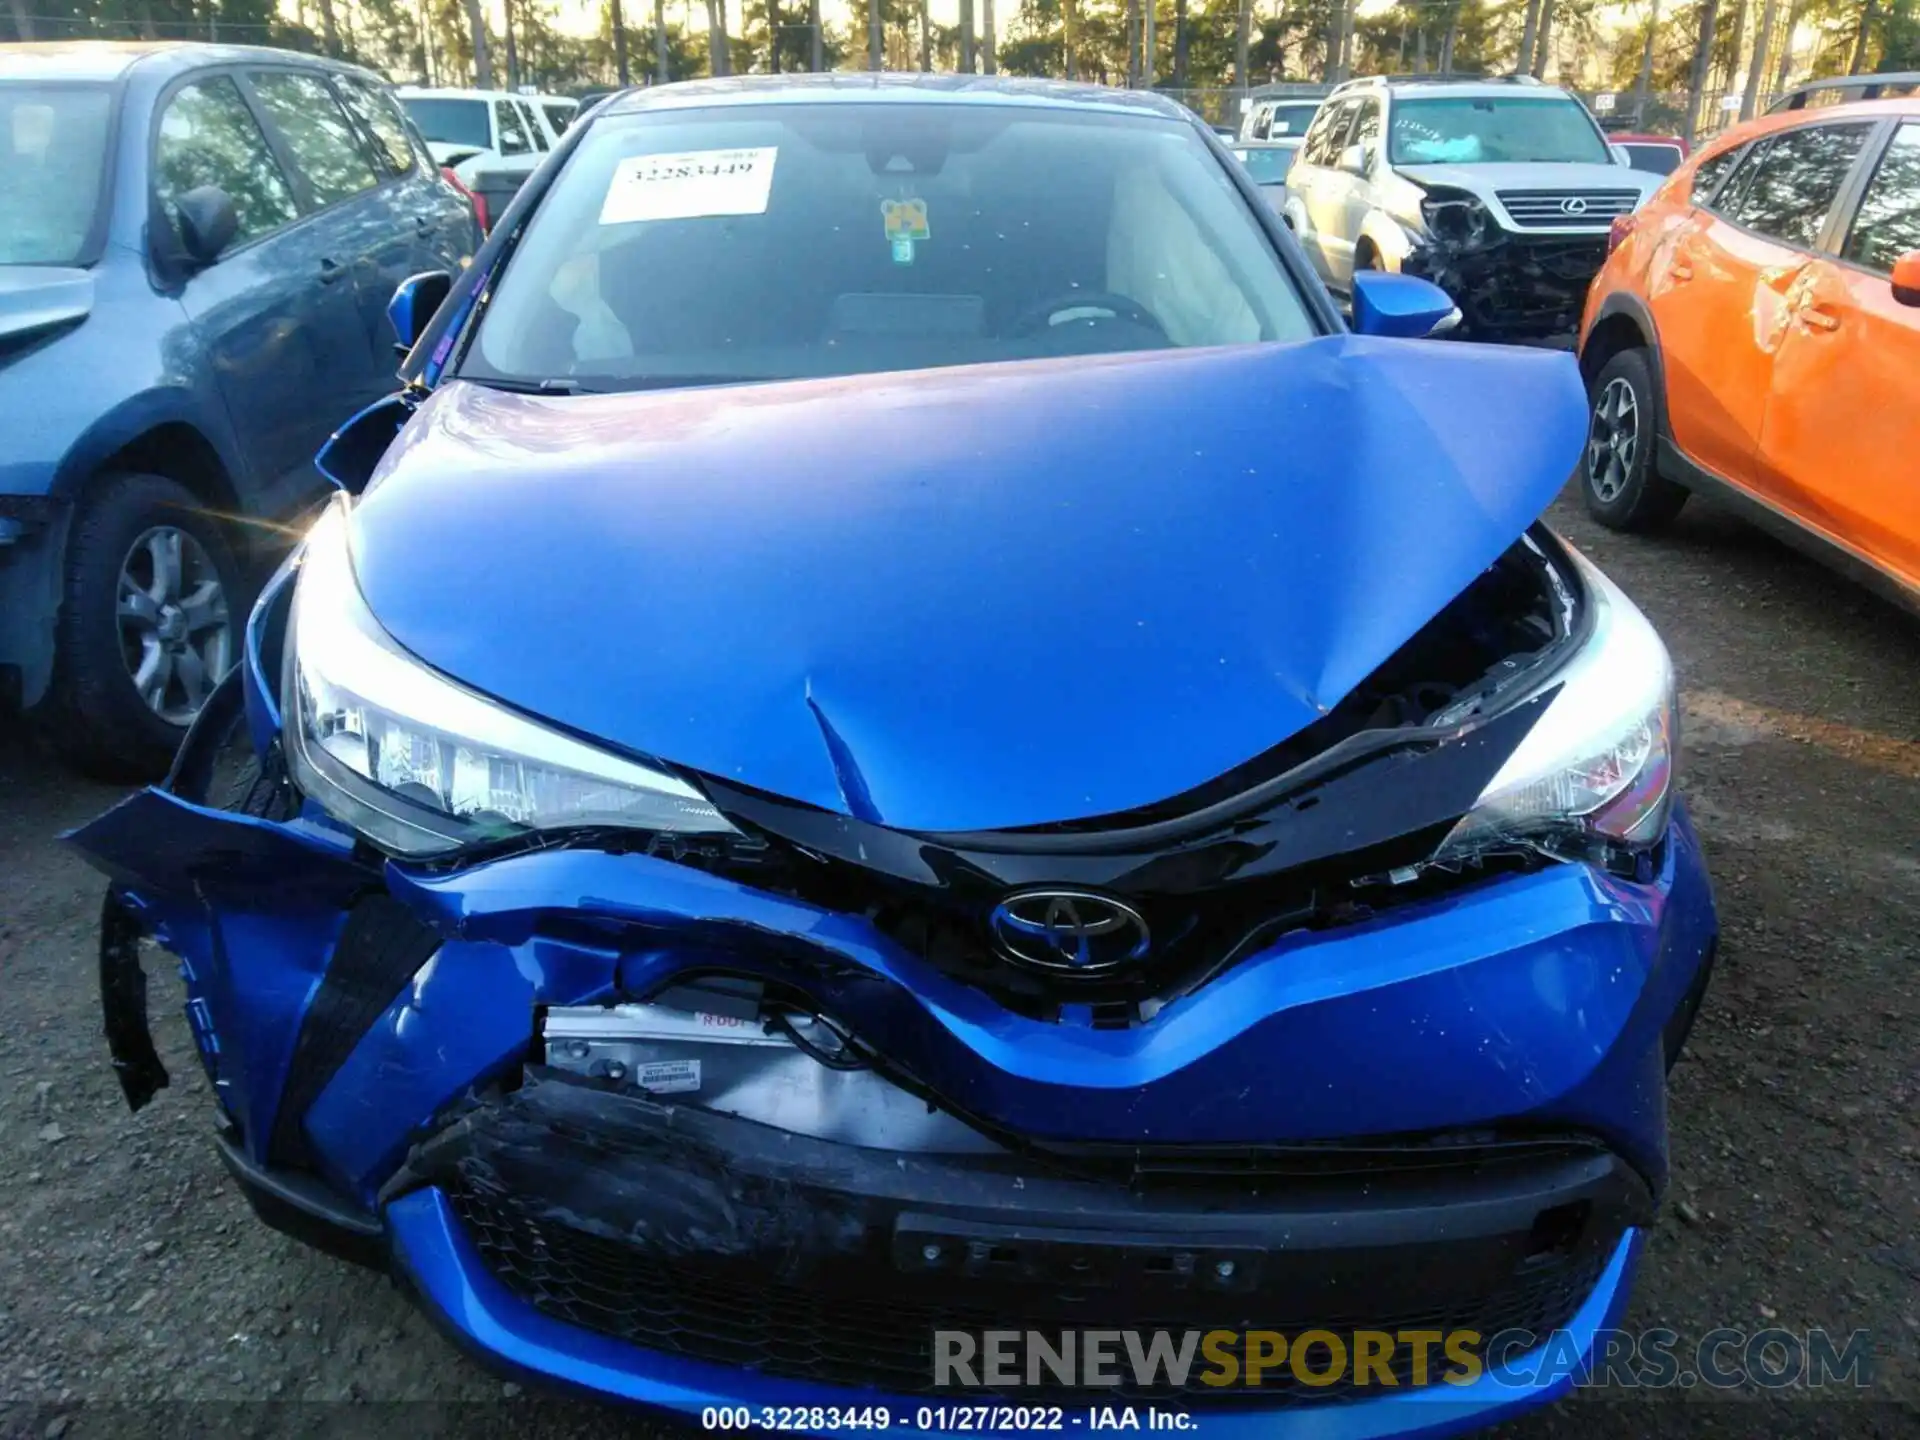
1596 770
420 764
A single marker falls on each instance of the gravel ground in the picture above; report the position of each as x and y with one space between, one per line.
137 1294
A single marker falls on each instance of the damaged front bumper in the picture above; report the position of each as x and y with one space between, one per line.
625 1124
1509 286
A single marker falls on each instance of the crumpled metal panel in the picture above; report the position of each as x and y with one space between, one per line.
964 599
252 909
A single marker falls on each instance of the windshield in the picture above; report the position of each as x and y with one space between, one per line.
1291 119
53 149
782 241
1267 166
1463 130
1654 159
451 122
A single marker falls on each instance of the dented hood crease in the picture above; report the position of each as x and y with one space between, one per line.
972 598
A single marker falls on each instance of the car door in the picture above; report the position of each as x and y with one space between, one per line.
436 223
1841 441
513 136
1311 181
536 126
367 235
1721 286
1352 191
274 331
1327 202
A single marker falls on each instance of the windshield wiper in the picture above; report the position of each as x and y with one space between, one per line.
674 382
552 385
612 384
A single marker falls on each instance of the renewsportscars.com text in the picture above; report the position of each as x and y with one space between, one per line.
1385 1359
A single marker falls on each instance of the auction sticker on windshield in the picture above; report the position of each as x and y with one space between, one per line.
690 186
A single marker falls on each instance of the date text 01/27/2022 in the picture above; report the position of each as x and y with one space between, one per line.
955 1419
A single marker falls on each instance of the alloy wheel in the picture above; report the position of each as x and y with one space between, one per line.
172 612
1613 440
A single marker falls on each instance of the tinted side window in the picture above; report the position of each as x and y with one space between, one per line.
1712 173
1888 225
1366 128
1328 138
316 130
208 136
513 132
558 117
533 125
380 117
1795 182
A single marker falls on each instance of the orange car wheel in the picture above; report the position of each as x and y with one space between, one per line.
1623 488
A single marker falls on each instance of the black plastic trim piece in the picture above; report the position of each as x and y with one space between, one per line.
1679 467
380 949
123 1004
303 1207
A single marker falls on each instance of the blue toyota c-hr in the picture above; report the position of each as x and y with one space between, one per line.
901 730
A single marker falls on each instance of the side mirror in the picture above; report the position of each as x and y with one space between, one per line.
1906 279
414 301
353 452
1353 159
1400 306
208 222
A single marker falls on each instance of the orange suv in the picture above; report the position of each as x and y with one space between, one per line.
1755 335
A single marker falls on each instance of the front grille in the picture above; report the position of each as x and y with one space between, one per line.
1549 209
736 1315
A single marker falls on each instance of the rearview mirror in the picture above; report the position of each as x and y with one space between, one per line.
208 222
414 301
1906 279
1353 159
1400 306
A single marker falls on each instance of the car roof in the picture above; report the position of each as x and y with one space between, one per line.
868 87
1736 135
459 92
112 59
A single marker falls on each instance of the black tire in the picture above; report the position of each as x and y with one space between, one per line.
1624 489
94 714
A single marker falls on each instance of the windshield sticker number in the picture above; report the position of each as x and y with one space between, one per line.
690 186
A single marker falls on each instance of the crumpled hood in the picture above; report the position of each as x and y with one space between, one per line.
38 297
971 598
1483 179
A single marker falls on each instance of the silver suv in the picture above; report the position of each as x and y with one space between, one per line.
1499 191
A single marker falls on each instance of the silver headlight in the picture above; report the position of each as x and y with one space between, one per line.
420 764
1597 767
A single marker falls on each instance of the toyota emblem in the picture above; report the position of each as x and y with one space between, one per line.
1573 205
1069 931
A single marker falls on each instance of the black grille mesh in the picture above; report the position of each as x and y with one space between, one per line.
729 1316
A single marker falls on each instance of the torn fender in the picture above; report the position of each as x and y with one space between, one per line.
252 909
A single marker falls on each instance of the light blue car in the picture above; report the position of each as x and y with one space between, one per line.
197 244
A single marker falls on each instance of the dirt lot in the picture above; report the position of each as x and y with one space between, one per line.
138 1295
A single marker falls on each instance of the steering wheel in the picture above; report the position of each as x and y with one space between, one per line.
1106 305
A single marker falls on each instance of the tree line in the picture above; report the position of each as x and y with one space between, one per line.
1680 61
